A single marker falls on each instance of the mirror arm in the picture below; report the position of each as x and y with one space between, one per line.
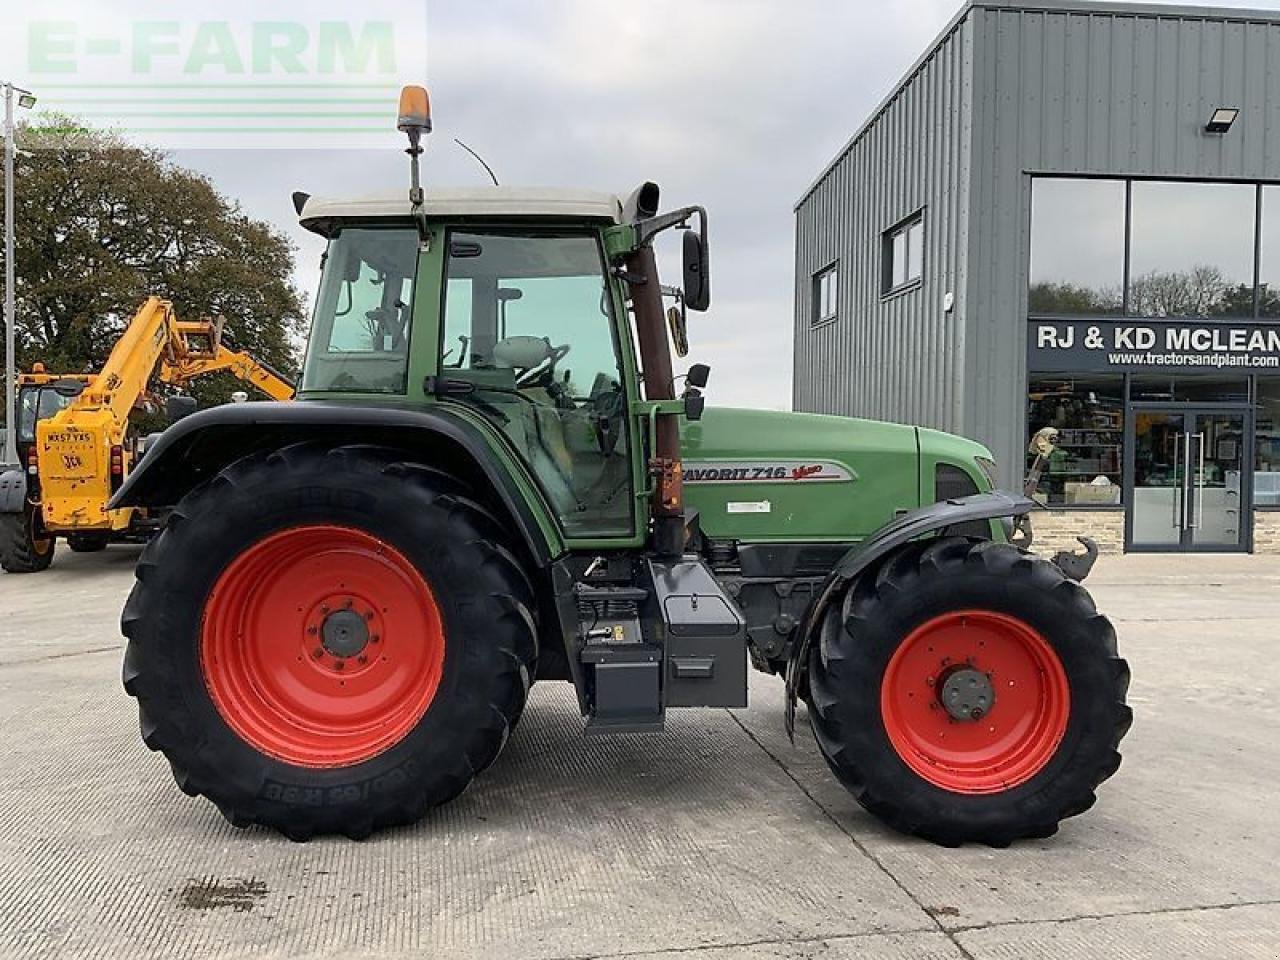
646 230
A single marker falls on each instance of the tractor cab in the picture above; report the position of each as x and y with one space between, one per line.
516 316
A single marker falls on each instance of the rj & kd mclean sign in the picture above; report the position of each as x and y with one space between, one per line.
1083 346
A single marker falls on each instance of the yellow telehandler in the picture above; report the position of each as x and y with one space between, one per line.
76 444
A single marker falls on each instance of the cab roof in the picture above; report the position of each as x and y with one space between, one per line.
319 213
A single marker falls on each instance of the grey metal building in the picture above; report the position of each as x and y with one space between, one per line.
1067 214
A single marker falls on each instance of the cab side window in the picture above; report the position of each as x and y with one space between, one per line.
360 331
529 322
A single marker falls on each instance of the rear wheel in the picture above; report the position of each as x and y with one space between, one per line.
329 641
88 542
25 545
969 691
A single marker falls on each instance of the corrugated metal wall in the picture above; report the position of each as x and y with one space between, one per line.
1011 90
1108 90
895 358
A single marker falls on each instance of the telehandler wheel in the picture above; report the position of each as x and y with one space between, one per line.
88 542
25 546
328 641
968 691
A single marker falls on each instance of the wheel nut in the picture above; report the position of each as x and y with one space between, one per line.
375 638
318 652
339 664
350 603
312 630
368 614
362 658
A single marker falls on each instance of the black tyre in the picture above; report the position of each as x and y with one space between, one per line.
968 691
88 542
25 546
329 641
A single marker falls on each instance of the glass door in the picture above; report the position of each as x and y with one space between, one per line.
1157 501
1215 479
1188 480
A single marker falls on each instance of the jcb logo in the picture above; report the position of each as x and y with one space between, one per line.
70 461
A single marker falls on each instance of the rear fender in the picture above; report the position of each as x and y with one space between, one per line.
13 491
196 448
935 518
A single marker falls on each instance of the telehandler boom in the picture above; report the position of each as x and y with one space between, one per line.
76 443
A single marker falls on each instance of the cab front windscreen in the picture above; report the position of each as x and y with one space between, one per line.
35 404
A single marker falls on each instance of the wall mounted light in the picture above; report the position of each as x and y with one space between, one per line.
1221 120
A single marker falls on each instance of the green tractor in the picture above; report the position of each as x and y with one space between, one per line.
493 476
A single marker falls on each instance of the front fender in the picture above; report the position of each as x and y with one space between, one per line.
934 518
196 448
13 491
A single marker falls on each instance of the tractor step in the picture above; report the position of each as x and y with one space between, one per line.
624 670
681 643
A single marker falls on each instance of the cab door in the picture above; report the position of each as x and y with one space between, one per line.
530 325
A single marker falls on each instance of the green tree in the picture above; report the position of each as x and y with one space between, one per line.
101 224
1070 298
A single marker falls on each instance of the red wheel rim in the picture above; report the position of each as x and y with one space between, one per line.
321 646
1025 720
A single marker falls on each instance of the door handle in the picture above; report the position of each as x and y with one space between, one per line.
1178 518
1199 514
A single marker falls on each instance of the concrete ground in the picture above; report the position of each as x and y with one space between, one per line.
715 840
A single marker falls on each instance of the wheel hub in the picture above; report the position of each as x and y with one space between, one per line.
967 694
368 653
938 701
344 633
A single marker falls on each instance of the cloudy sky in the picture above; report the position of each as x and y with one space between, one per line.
734 104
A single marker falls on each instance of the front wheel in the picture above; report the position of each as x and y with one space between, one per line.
90 542
969 692
329 641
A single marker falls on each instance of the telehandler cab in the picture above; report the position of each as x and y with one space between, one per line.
490 479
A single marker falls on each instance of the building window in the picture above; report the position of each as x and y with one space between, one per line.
1269 255
826 292
903 254
1088 413
1191 253
1150 388
1266 476
1077 246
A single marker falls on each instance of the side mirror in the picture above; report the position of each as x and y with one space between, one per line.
698 375
697 279
175 408
679 330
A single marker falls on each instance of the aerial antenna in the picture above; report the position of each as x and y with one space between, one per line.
479 159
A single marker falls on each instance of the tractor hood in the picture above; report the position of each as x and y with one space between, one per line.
761 475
